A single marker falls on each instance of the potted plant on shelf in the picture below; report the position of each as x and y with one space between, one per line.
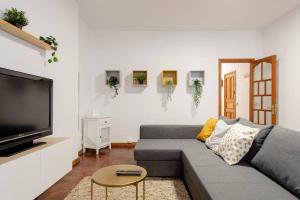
197 92
141 78
113 83
16 17
170 89
53 43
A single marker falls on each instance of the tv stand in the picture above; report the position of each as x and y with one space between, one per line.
27 174
19 148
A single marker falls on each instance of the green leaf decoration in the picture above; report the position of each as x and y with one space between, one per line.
113 82
53 43
197 92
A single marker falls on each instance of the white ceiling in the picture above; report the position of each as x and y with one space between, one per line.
183 14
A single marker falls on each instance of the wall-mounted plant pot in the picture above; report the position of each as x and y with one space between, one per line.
110 73
140 77
18 26
195 75
169 75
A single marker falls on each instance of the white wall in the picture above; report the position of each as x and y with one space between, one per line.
156 51
282 38
84 61
242 87
60 19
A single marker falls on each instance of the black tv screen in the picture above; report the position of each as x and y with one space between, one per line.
25 105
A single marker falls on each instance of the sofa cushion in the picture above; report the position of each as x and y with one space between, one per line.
220 130
207 129
165 149
197 157
236 143
279 158
248 191
259 138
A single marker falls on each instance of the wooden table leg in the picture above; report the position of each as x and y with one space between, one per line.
105 193
137 191
144 193
92 190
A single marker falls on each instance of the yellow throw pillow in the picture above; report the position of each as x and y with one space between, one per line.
207 129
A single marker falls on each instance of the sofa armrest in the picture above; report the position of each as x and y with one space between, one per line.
169 131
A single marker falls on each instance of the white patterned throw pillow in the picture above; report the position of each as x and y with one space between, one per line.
214 140
236 143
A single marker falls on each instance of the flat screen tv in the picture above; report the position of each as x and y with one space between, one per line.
25 108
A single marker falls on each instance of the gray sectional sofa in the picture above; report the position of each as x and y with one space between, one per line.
173 151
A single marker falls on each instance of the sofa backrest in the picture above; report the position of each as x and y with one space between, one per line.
169 131
279 158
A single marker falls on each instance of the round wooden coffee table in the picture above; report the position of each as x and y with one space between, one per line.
107 177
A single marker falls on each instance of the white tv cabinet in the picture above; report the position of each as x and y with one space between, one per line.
96 133
28 174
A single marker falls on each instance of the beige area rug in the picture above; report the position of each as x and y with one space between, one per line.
156 189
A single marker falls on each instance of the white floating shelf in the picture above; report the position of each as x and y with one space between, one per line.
7 27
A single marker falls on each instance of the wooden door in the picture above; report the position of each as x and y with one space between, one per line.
229 95
263 91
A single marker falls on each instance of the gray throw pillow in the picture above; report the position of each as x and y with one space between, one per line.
259 138
279 158
220 130
229 121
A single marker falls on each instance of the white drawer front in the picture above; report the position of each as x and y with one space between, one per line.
56 161
20 178
104 121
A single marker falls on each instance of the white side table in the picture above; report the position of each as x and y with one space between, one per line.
96 133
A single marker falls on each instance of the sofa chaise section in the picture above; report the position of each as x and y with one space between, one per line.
208 177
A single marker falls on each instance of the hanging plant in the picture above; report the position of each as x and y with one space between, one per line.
197 92
113 82
141 78
53 43
170 88
15 17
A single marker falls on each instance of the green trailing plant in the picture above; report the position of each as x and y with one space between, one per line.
53 43
16 17
113 82
141 78
170 88
197 92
